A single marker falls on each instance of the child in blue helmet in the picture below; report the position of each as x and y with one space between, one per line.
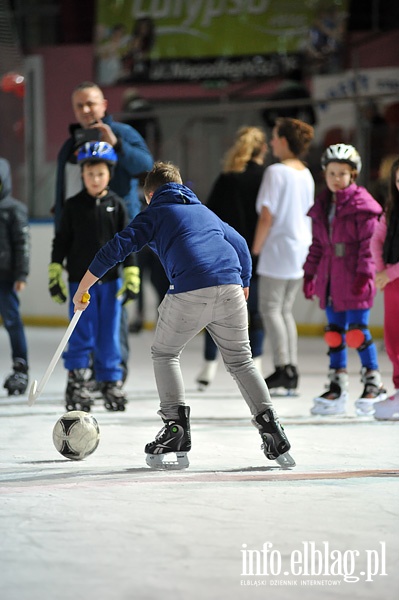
89 219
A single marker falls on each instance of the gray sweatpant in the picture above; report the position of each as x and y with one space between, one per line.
276 301
223 311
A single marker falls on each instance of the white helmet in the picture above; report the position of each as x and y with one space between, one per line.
342 153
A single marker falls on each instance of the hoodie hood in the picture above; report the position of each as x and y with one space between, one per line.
5 178
175 193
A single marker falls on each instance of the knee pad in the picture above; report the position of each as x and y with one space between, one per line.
356 338
334 338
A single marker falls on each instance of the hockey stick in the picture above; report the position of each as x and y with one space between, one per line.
36 389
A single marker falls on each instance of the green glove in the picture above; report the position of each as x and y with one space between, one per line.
131 284
56 285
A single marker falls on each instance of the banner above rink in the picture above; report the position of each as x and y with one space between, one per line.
186 40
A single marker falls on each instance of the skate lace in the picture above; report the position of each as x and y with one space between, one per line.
164 432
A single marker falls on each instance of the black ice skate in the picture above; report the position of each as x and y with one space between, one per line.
113 394
283 382
175 436
275 443
17 382
77 395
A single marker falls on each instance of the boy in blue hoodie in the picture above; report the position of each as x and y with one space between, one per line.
208 265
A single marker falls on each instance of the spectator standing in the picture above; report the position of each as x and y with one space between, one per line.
14 270
233 198
282 239
134 159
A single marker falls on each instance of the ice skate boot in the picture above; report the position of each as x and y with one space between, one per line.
283 382
175 436
207 375
275 443
333 401
113 394
387 410
373 392
77 395
17 382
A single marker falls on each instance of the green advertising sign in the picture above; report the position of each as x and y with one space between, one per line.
170 30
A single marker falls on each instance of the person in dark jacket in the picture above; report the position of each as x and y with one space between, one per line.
14 270
233 199
94 124
208 265
88 221
134 160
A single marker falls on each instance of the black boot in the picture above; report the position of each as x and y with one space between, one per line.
17 382
275 443
77 394
113 394
175 436
284 377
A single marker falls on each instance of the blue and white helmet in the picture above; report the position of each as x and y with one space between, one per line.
97 151
342 153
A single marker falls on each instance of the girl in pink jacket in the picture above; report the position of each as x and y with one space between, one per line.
339 270
385 251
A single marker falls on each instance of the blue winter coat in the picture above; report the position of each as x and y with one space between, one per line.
134 158
195 247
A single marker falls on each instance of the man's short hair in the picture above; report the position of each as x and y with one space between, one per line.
161 173
86 85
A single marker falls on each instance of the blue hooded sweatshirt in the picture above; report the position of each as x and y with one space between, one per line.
196 248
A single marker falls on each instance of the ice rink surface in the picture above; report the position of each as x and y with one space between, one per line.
233 526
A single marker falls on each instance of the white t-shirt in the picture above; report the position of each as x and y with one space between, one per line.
288 194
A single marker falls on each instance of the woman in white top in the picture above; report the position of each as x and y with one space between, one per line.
282 239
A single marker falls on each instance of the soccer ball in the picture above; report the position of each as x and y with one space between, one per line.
76 435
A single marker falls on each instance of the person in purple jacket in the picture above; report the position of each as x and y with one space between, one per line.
208 265
340 271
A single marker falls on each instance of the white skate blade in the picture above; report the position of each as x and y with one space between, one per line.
157 461
32 393
285 460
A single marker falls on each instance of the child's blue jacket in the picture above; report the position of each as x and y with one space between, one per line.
196 248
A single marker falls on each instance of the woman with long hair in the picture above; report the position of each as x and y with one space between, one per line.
233 199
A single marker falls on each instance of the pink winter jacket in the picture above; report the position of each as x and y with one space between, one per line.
377 246
335 261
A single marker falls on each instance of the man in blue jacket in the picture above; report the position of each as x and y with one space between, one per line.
208 265
134 159
94 124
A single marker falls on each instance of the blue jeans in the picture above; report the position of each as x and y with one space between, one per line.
368 356
97 333
223 311
9 310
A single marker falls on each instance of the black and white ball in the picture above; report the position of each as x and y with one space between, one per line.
76 435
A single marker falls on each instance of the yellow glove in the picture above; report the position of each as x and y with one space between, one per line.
131 284
56 285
